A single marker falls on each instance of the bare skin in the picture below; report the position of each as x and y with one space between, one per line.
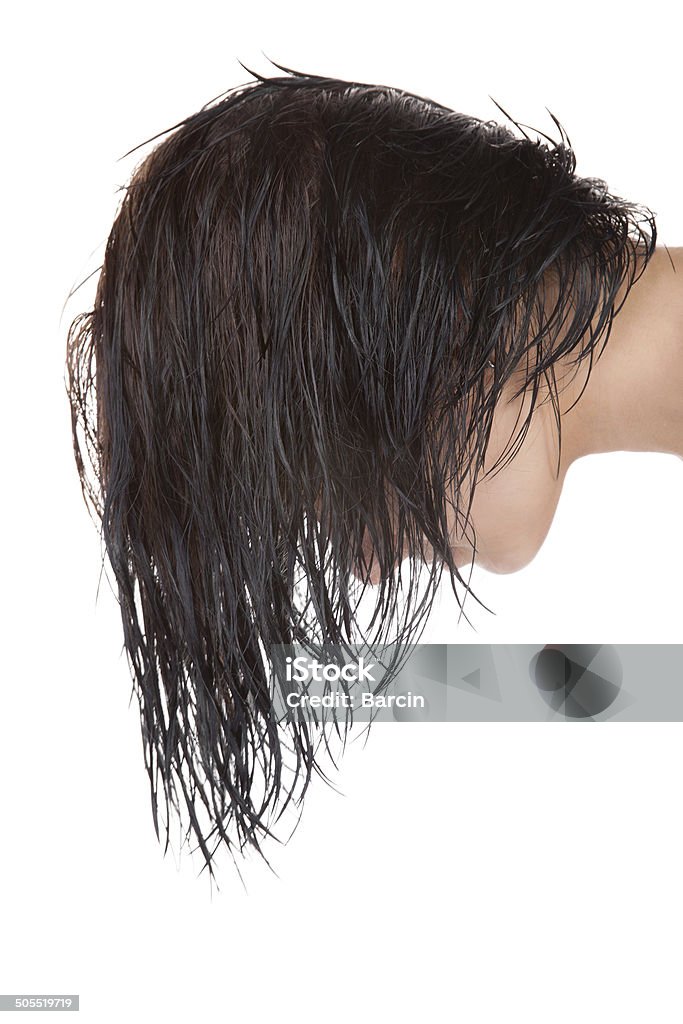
633 401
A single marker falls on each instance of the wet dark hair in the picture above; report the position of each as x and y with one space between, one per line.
311 299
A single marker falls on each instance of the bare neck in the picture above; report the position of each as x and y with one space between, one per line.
633 400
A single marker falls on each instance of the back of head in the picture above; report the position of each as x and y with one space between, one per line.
310 300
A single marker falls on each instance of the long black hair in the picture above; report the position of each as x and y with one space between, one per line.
312 296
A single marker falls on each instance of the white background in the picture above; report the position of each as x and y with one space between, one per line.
479 873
